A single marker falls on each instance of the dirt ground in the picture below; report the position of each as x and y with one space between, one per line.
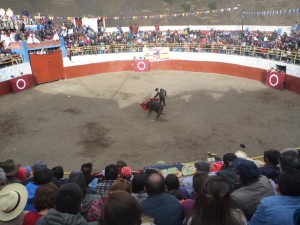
98 119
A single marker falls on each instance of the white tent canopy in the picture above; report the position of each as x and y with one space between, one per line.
9 12
2 12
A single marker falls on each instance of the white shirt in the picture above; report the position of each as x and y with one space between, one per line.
55 37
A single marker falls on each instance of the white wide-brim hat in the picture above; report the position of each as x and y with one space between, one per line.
13 198
241 154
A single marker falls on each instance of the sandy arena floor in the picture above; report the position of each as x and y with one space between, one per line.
98 119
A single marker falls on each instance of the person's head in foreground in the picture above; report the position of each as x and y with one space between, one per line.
212 205
44 197
13 198
68 198
120 208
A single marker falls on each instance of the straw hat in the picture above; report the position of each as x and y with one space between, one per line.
241 154
13 198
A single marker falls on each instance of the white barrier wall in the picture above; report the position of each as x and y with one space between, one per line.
260 63
88 59
7 72
265 64
293 70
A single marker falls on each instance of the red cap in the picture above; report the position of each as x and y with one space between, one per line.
126 172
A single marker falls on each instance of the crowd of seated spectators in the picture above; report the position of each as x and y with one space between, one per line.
44 51
238 193
7 57
265 44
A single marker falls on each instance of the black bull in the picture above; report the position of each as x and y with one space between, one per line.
155 106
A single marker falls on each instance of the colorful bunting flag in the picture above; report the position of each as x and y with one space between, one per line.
152 17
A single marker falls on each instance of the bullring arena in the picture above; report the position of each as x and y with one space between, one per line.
214 104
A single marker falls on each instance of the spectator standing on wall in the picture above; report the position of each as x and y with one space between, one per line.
135 29
48 24
17 36
119 28
295 27
25 15
157 27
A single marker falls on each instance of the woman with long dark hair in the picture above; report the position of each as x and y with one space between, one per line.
212 205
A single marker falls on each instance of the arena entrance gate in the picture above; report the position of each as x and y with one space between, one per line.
48 67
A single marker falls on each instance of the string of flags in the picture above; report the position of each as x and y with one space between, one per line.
145 17
272 13
163 16
184 14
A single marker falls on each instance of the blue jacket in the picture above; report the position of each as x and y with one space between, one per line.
276 210
272 172
31 188
164 208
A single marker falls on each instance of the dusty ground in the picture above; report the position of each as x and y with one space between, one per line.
98 119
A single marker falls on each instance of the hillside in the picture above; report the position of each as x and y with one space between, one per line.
130 8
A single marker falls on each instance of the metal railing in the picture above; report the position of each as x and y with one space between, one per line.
259 52
9 60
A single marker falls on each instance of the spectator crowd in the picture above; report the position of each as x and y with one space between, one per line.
238 192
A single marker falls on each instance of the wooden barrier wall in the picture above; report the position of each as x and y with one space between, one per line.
5 87
96 68
291 83
48 67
